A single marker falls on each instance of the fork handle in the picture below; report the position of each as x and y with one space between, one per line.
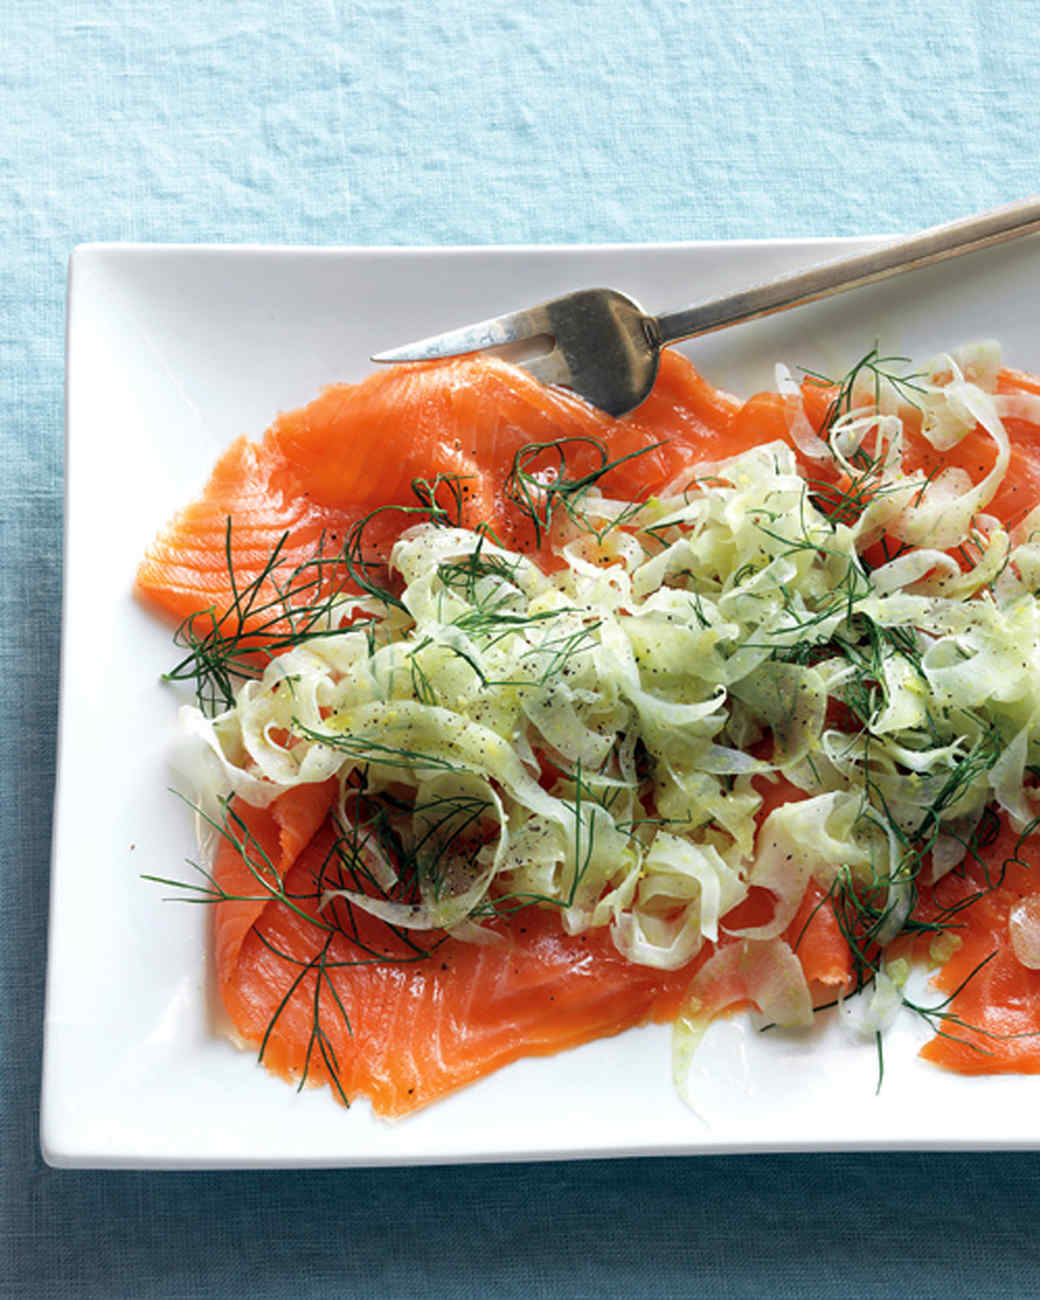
933 245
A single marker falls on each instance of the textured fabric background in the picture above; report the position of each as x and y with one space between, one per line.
389 121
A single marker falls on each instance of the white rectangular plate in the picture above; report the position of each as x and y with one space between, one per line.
172 351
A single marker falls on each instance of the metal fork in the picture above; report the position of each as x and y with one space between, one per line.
605 347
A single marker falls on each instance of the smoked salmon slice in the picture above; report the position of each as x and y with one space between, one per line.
992 1025
404 1029
360 446
351 1003
273 839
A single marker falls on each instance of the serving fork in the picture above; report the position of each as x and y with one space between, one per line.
602 344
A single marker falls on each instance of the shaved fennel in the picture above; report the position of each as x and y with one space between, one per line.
600 731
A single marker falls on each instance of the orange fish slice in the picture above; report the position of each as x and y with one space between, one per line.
360 446
406 1031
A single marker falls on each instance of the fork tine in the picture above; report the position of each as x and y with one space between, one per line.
549 369
513 327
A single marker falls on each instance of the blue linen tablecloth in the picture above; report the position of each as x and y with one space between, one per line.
391 122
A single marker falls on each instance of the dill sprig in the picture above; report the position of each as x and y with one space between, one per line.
286 605
538 485
364 565
272 613
366 749
875 369
844 504
469 575
342 866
